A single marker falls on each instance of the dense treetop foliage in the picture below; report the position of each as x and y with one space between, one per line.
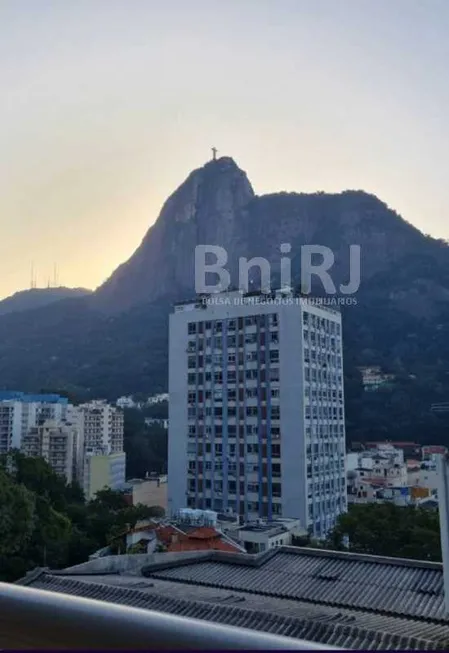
46 522
388 530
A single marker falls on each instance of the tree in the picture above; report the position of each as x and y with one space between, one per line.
17 511
388 530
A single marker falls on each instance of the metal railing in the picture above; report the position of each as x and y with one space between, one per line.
37 619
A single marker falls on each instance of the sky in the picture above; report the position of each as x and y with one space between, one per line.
107 105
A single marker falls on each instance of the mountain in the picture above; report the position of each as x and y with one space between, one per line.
114 341
26 300
206 209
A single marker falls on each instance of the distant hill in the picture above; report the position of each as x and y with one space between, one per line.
114 341
26 300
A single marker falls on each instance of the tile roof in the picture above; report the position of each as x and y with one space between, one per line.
344 600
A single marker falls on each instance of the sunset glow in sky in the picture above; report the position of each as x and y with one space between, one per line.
107 105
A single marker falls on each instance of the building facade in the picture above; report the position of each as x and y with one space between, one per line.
102 471
256 410
19 412
66 436
102 425
56 443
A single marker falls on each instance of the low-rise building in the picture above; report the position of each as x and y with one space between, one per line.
126 402
157 399
259 537
151 491
102 470
373 378
156 421
178 536
334 598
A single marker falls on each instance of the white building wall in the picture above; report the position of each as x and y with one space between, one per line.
312 444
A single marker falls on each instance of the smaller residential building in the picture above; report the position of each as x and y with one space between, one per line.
157 399
102 470
382 464
373 378
151 491
425 477
177 536
431 453
126 402
259 537
156 421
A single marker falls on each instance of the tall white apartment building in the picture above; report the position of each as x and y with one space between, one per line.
102 426
56 442
256 410
102 461
20 412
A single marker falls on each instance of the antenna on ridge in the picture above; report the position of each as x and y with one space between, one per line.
55 276
32 277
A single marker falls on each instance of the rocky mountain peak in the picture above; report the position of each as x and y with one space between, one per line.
205 209
219 188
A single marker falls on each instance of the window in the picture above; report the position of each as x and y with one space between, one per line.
276 450
252 448
275 432
275 412
274 337
232 341
274 375
191 378
191 329
251 374
250 338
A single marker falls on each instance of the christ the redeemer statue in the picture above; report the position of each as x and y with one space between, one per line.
214 154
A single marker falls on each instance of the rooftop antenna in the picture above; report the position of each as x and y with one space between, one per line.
32 280
55 276
214 154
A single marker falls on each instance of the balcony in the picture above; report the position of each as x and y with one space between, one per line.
27 621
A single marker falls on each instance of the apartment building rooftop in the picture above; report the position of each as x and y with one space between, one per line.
256 297
13 395
333 598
